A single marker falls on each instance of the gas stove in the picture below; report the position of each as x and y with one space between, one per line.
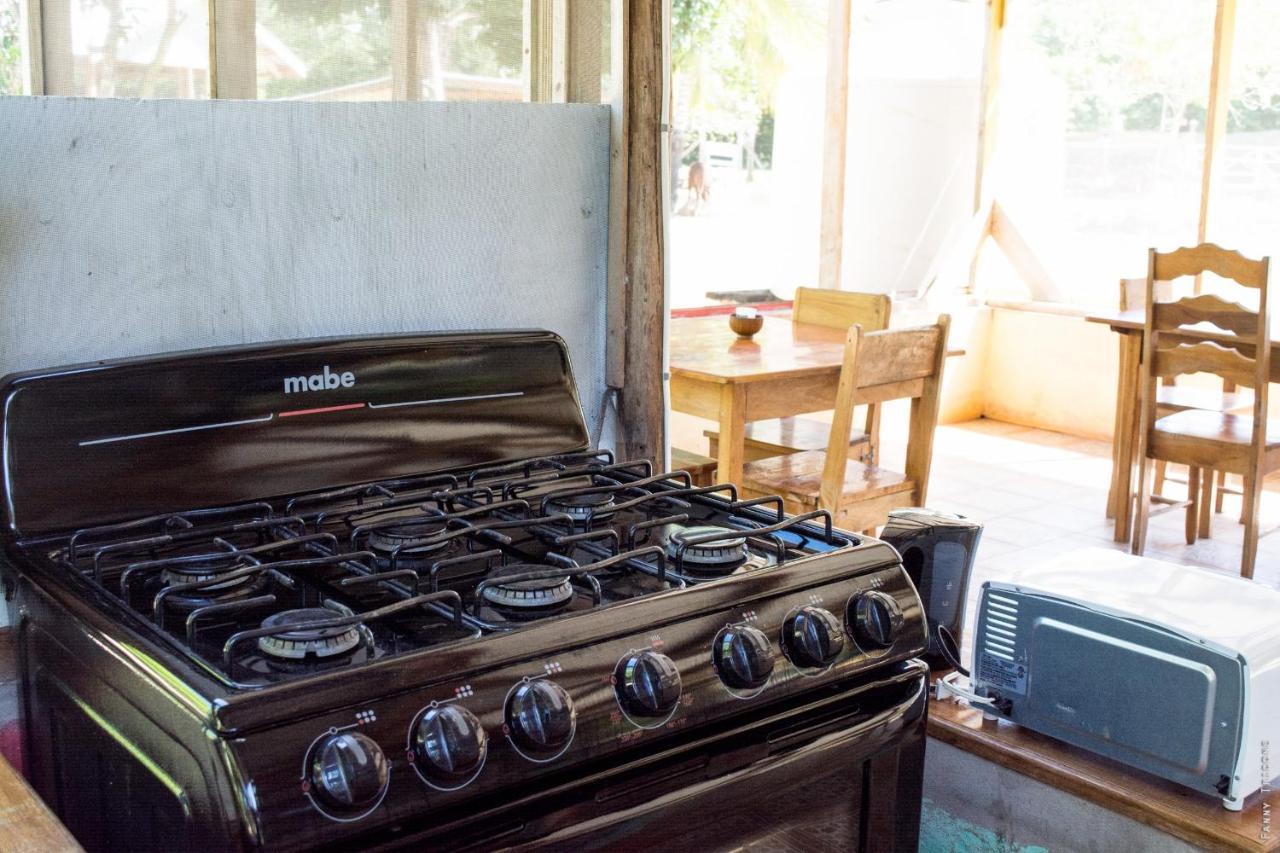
416 608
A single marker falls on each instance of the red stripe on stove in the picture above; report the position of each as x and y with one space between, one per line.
321 411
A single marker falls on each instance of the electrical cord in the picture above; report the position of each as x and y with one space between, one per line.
950 649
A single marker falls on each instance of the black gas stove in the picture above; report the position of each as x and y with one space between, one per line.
378 592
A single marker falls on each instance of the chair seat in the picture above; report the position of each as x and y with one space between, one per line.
797 477
1214 427
787 435
702 469
1217 440
1178 398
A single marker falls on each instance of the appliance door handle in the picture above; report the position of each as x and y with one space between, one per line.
794 756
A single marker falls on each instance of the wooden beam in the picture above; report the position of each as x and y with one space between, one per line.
989 99
642 407
1022 257
988 114
615 300
233 50
406 52
834 144
1224 28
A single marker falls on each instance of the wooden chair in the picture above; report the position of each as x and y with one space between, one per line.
1172 398
836 309
1239 351
878 367
702 469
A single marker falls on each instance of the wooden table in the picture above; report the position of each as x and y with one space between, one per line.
786 369
1129 326
1174 810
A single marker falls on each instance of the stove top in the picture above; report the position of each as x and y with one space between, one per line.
410 607
270 591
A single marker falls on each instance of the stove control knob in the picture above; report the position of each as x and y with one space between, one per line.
812 638
743 657
449 744
874 619
540 717
348 771
648 684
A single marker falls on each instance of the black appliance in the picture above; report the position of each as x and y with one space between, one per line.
937 550
377 593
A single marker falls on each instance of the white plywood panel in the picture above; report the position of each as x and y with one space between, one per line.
136 227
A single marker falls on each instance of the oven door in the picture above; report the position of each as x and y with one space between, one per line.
841 772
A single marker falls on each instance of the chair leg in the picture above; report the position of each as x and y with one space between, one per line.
1193 504
871 456
1222 491
1252 497
1242 510
1206 502
1142 506
1157 488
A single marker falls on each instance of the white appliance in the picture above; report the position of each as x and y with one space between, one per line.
1168 668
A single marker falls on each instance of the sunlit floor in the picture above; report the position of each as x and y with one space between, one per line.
1040 494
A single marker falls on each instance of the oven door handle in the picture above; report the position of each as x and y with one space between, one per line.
793 757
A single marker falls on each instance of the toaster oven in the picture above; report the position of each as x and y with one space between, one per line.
1170 669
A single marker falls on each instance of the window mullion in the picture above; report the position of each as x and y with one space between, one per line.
31 46
406 60
233 49
56 64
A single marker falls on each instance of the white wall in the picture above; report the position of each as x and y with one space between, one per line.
135 227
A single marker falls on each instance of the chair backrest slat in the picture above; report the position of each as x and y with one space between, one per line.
892 364
1175 341
1206 308
897 355
840 309
1205 357
1209 257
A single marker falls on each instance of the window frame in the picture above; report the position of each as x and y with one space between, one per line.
561 50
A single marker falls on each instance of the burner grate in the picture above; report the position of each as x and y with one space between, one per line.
421 561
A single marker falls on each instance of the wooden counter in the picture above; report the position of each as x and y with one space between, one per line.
1195 818
26 824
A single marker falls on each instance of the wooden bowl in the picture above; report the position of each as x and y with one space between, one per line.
745 327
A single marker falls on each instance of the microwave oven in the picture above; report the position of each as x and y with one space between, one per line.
1167 668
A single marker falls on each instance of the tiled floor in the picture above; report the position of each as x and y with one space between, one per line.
1040 494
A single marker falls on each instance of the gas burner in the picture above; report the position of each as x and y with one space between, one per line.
385 540
214 591
201 572
527 595
297 639
590 506
723 554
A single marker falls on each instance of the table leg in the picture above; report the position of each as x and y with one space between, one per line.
1126 432
732 433
1116 429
